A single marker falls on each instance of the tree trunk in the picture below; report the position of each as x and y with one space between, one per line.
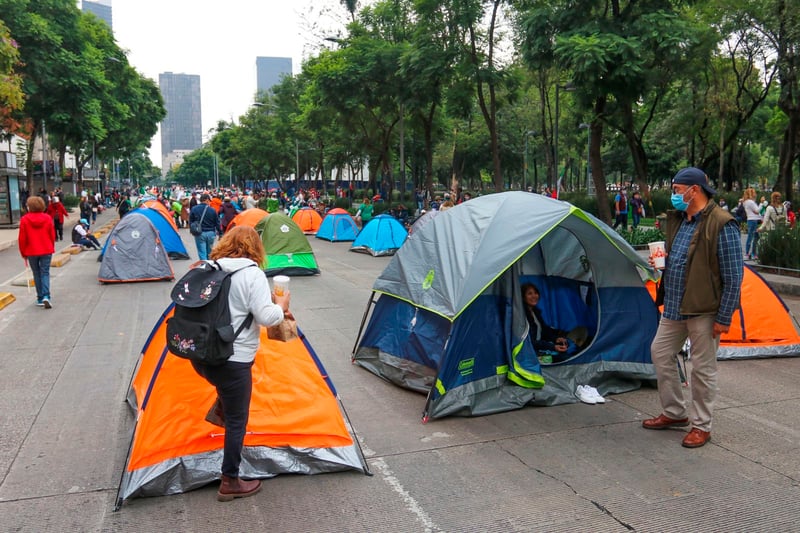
598 175
638 154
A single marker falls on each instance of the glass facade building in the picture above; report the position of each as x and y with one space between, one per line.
182 127
100 8
270 70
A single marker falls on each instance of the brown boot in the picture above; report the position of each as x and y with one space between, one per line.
233 487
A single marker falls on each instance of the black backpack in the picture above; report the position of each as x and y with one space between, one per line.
201 329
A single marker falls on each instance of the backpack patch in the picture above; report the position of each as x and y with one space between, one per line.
200 329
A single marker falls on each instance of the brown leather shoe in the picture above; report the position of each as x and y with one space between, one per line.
696 438
233 487
663 422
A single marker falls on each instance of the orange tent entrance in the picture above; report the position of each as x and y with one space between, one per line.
296 425
308 220
248 217
762 327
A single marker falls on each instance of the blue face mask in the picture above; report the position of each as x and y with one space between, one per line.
678 201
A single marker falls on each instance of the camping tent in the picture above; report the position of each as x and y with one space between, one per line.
169 236
248 217
162 209
296 425
308 219
383 235
450 322
762 327
134 251
338 226
422 221
287 248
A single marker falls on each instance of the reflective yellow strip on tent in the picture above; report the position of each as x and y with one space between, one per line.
440 387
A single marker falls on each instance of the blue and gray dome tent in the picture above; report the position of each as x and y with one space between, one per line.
337 226
166 232
383 235
449 319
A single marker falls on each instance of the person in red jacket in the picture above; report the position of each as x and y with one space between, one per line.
36 240
58 213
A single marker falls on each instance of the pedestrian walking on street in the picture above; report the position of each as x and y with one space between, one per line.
249 295
700 290
36 242
208 220
753 213
58 213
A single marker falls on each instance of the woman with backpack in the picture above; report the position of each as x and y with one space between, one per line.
249 296
775 214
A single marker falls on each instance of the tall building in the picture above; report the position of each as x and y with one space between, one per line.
100 8
182 127
270 70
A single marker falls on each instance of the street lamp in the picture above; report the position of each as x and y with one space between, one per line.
525 158
569 87
588 128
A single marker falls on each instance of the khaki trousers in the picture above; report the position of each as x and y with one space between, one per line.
667 343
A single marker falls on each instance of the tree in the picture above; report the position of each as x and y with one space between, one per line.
12 97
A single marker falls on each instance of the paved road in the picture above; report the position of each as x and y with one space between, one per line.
64 432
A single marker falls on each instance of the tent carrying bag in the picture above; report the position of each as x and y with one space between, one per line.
200 329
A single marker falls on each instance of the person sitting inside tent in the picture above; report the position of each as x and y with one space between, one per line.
81 237
547 340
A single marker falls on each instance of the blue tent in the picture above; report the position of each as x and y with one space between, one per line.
383 235
169 237
337 226
450 322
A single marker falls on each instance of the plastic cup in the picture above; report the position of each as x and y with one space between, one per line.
657 253
280 285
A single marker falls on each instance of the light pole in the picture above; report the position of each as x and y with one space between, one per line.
525 159
44 157
588 128
569 87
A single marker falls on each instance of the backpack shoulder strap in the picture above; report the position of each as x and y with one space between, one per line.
249 318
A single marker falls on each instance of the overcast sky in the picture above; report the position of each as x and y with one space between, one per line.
220 41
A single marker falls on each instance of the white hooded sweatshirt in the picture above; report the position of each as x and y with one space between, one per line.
249 293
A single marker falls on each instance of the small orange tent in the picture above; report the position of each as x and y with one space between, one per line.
296 425
248 217
161 208
762 327
308 220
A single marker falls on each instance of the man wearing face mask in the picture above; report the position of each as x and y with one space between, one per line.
700 290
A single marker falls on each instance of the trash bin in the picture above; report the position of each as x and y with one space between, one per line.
661 221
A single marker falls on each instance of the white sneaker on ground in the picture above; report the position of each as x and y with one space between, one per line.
597 396
46 303
585 395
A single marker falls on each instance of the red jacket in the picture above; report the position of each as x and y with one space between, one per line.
37 235
56 211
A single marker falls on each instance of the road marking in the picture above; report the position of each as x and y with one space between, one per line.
411 504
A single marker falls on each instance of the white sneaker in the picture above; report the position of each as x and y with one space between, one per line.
585 395
597 397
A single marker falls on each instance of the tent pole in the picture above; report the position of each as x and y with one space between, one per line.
361 327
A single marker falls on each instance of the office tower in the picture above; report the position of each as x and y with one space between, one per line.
270 70
182 127
100 8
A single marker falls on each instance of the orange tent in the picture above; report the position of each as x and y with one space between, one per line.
296 425
308 220
248 217
161 208
762 327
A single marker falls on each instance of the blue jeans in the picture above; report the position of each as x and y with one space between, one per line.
40 266
204 243
234 384
752 237
636 218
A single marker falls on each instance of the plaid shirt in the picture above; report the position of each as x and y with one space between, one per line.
731 265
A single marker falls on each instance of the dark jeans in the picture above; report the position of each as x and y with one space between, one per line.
234 384
40 268
622 218
59 229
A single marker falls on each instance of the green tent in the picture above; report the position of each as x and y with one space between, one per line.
287 248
